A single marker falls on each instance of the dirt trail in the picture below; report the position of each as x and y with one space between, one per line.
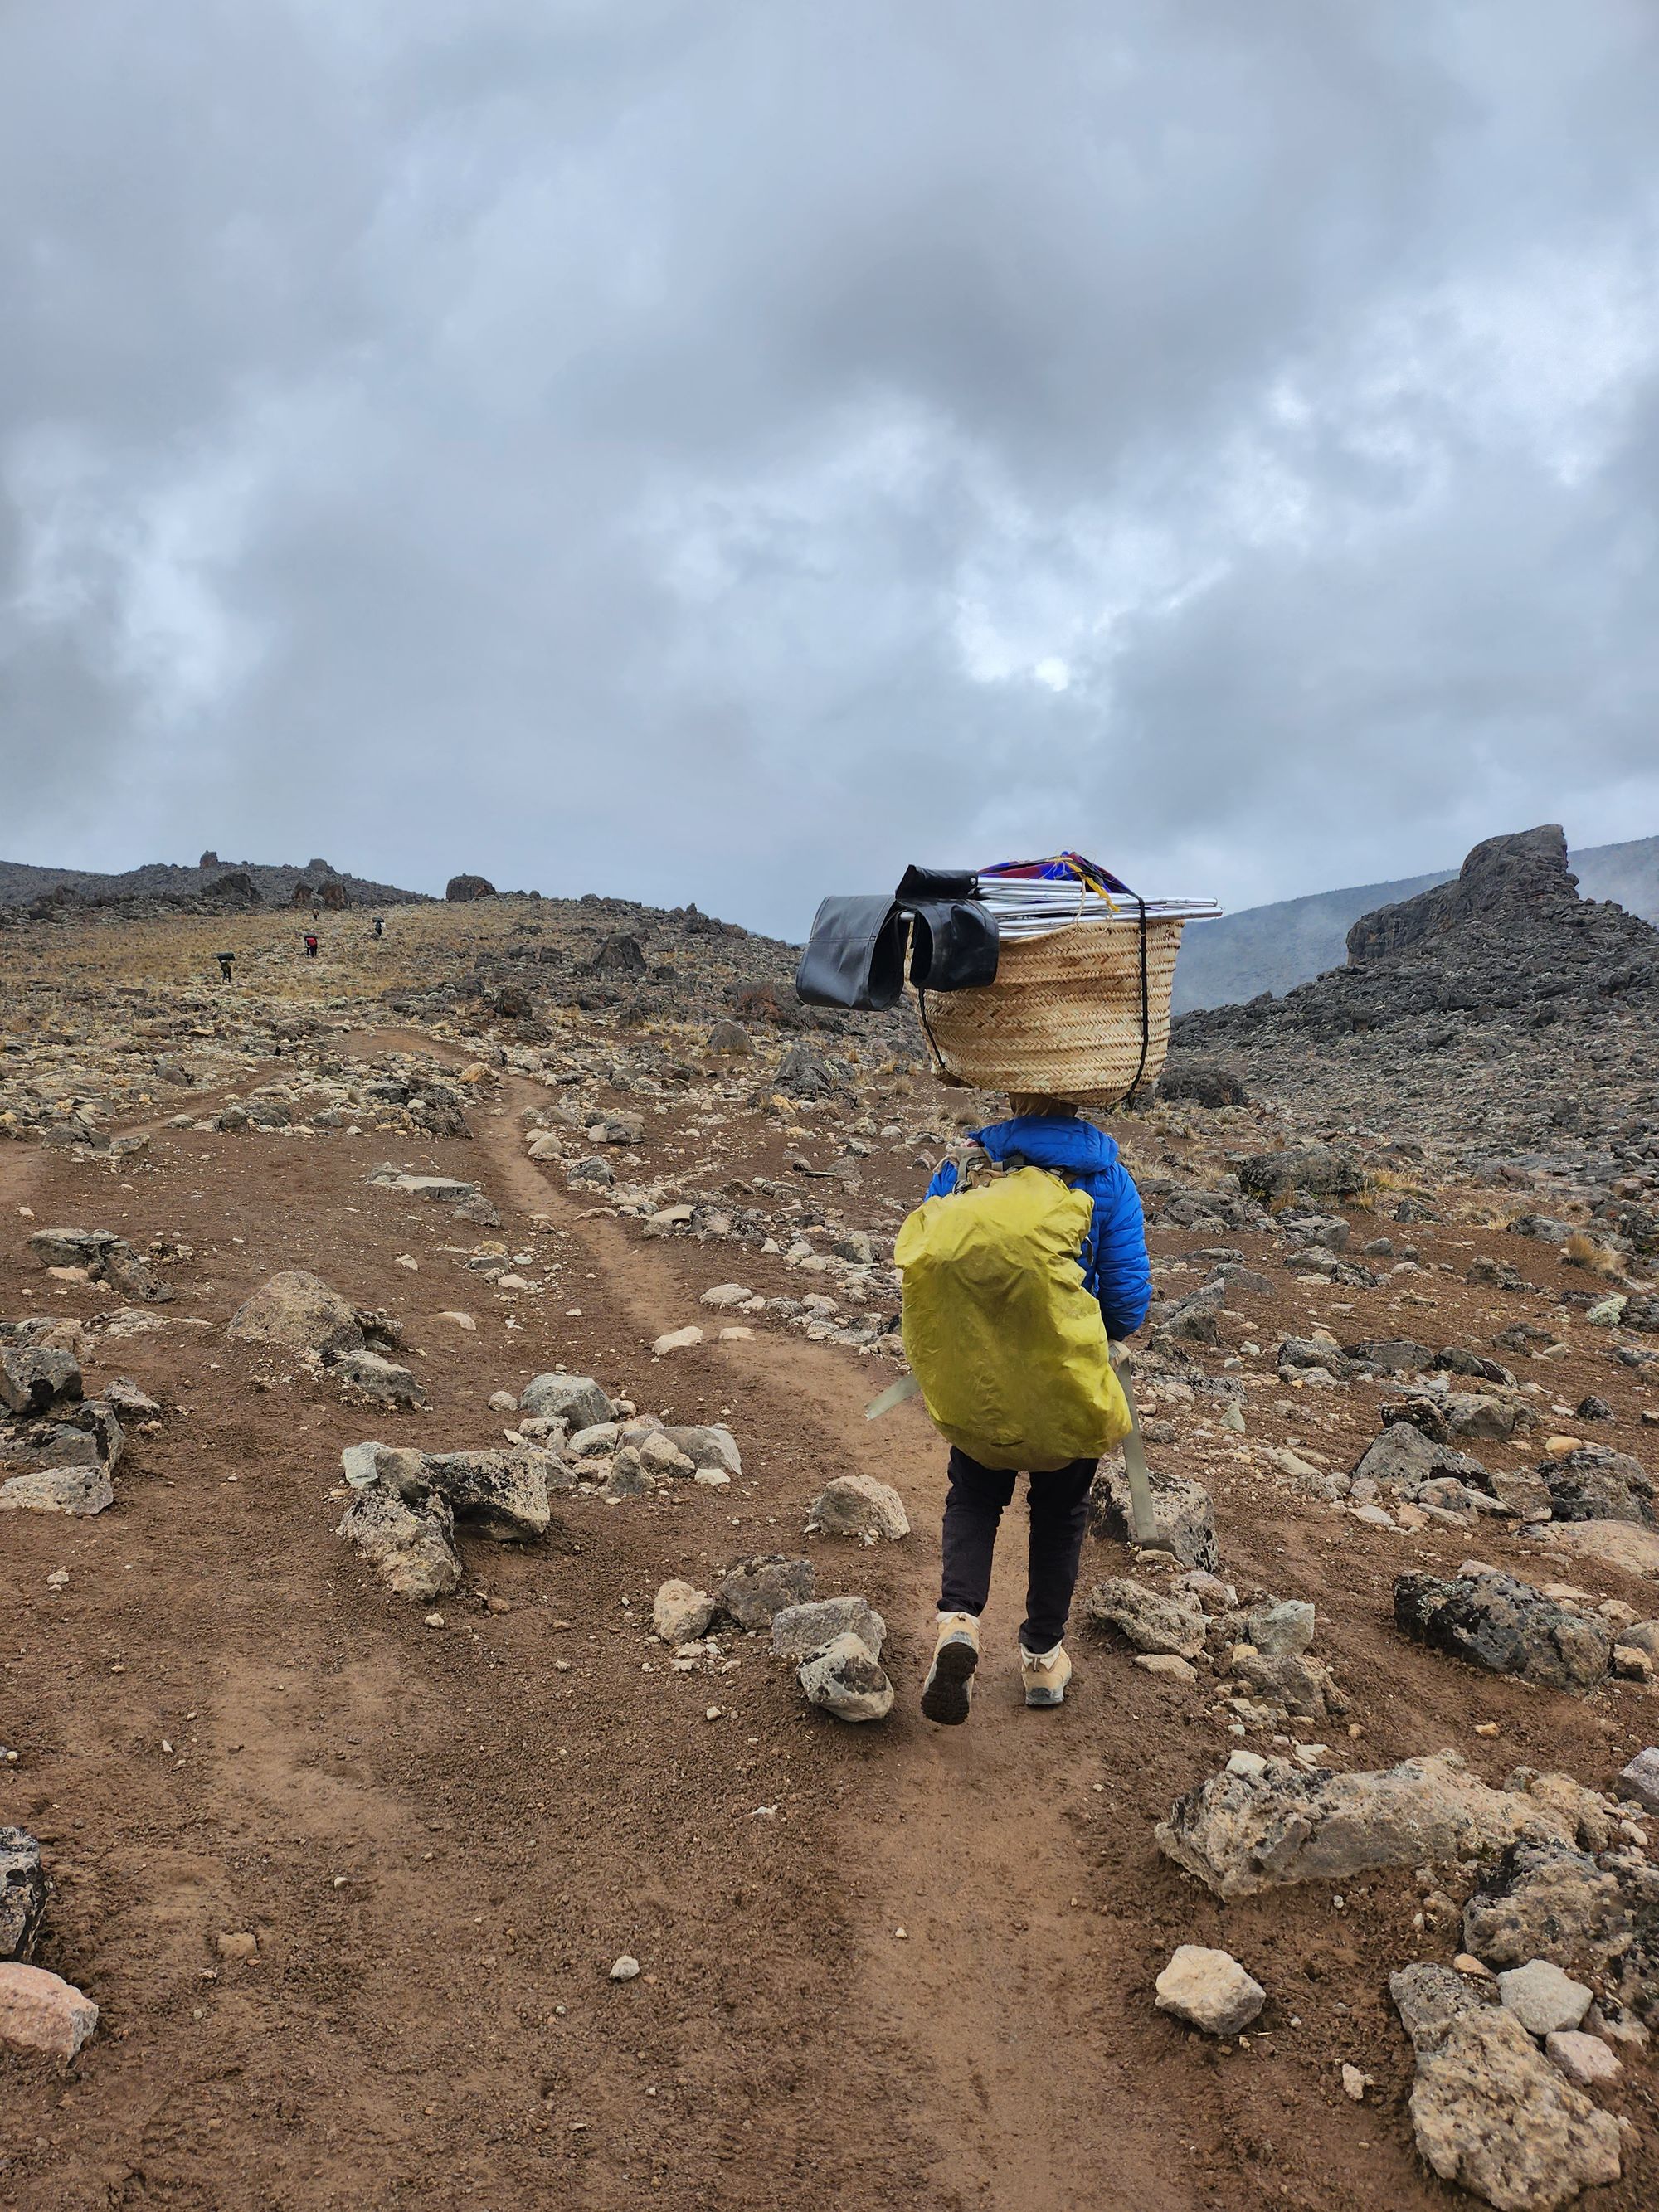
970 1843
443 1840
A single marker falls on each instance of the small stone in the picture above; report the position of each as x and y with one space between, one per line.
680 1613
1282 1630
1354 2083
239 1945
435 1620
503 1402
659 1455
576 1399
1584 2059
1209 1990
1640 1779
677 1340
625 1969
1164 1663
1543 1998
858 1505
41 2012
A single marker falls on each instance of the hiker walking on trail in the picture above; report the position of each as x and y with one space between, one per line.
311 944
224 960
1017 1268
380 925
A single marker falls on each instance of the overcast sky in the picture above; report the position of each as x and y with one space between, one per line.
725 449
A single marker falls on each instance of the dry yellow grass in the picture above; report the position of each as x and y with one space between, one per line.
1583 1251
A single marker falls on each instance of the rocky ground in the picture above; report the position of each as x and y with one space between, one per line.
434 1378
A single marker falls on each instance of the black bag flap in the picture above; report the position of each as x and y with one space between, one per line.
917 883
855 956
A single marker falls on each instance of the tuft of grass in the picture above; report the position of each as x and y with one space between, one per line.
1383 1183
1583 1251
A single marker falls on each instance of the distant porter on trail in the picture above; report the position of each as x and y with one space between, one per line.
1028 1253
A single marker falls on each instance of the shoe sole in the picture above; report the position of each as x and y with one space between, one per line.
949 1687
1045 1697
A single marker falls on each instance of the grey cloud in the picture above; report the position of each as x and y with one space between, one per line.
727 451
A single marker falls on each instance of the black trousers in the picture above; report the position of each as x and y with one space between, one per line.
974 1507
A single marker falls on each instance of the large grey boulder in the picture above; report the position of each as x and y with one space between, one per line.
707 1445
502 1493
107 1258
1490 2111
1244 1832
799 1629
1299 1355
381 1380
1149 1621
1194 1320
576 1399
34 1378
1181 1510
1403 1459
759 1587
73 1247
23 1893
1395 1355
1595 1918
84 1434
1300 1685
845 1678
298 1312
411 1546
79 1490
1594 1484
1301 1172
1505 1626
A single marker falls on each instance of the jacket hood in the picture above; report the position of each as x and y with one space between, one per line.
1063 1142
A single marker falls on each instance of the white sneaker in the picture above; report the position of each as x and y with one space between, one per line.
1046 1675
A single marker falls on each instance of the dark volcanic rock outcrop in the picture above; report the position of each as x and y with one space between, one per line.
1500 1002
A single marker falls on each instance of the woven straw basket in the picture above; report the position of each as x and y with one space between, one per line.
1064 1015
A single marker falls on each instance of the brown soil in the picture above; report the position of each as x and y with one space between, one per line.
922 1976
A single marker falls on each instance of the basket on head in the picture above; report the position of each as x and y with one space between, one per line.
1073 1014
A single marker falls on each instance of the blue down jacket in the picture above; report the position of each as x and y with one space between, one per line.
1113 1255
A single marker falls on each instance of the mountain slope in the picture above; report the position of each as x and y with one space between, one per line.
1273 948
21 882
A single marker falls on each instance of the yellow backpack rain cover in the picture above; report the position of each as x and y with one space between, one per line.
1008 1346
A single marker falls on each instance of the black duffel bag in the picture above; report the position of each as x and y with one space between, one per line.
855 956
